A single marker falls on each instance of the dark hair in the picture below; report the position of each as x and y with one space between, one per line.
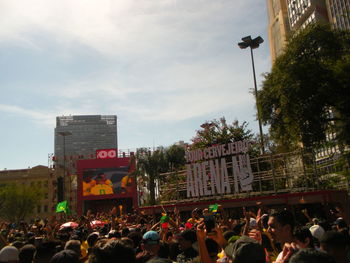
26 253
65 256
164 251
285 217
309 255
105 250
92 239
136 238
334 240
301 233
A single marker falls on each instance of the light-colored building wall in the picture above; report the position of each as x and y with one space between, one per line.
38 176
278 28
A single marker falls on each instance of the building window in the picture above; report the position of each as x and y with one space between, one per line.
38 208
46 183
46 195
46 208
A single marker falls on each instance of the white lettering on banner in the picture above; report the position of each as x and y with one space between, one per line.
243 171
211 176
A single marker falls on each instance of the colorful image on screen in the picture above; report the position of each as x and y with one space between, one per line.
106 181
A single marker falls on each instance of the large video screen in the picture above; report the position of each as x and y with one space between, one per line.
106 181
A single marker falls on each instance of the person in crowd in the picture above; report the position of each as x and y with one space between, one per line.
186 240
310 255
303 238
108 251
27 253
336 245
9 254
65 256
150 246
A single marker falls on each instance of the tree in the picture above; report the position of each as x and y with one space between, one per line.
19 201
175 156
219 132
150 164
308 89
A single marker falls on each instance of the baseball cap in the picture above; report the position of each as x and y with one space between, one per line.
151 237
9 253
245 250
317 231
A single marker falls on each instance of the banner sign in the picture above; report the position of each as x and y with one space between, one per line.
106 153
207 172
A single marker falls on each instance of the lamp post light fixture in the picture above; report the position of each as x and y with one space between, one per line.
64 134
254 43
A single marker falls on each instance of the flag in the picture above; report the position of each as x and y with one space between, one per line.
62 207
213 208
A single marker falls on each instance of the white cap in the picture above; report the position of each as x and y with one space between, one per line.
9 253
317 231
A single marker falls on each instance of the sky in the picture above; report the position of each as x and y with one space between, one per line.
163 67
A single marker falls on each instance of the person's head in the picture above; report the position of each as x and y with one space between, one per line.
310 255
74 245
196 213
150 242
317 232
65 256
27 253
280 226
9 254
46 250
335 244
246 250
105 250
340 223
92 239
136 237
186 239
303 237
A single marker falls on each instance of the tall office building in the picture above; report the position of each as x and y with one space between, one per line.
339 13
78 137
288 16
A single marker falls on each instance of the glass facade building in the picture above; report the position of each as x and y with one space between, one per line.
79 136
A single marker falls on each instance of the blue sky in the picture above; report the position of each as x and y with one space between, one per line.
162 66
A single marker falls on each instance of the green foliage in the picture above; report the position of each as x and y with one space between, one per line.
219 132
19 201
150 164
306 82
175 156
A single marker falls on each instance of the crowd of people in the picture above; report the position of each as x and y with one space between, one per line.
206 236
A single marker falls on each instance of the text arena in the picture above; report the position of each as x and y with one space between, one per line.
208 174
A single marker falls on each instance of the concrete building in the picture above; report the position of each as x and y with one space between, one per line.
81 135
78 137
288 16
38 176
339 13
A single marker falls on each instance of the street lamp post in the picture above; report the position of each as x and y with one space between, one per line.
254 43
64 134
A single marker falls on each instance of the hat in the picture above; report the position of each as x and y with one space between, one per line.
9 253
340 222
189 235
151 237
245 250
317 231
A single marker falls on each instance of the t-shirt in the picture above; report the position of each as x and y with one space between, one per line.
187 256
101 189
